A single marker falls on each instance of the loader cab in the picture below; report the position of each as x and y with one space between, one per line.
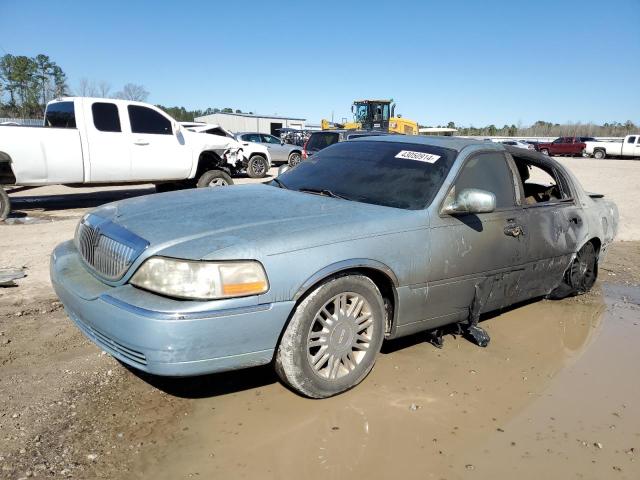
373 114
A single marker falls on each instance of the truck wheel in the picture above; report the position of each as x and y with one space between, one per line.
214 178
5 204
581 274
258 167
332 340
544 151
599 154
294 159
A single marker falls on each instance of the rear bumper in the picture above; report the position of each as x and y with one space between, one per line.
182 339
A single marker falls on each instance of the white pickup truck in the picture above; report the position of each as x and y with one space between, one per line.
629 147
103 141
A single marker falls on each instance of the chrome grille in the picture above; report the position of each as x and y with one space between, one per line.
107 248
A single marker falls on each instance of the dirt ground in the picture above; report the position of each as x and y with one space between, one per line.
554 394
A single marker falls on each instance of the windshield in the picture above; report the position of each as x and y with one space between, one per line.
392 174
318 141
361 112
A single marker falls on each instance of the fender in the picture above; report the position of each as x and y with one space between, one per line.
345 265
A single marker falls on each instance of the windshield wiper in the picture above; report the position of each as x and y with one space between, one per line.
325 192
280 184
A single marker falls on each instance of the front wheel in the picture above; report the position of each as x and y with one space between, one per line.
544 151
214 178
581 274
599 154
294 159
5 204
332 340
258 167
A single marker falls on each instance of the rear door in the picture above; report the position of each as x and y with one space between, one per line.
478 254
157 152
631 146
109 150
279 152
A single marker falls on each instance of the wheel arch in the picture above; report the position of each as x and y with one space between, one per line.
208 160
380 274
7 176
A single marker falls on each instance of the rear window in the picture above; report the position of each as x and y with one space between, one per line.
60 115
318 141
105 117
392 174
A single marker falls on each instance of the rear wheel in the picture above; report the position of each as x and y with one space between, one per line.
5 204
294 159
258 166
332 340
214 178
581 274
599 154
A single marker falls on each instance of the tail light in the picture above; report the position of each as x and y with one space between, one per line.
304 150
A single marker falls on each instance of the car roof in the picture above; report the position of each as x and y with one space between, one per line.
453 143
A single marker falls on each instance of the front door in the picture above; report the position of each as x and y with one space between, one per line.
477 257
157 153
631 147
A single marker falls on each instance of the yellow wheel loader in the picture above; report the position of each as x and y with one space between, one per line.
375 115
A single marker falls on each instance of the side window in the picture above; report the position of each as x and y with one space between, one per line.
60 115
539 183
270 139
631 140
252 137
488 171
145 120
105 117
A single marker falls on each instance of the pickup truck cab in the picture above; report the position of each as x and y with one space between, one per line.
628 147
571 146
104 141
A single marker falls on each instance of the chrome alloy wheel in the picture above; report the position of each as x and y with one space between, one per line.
340 335
218 182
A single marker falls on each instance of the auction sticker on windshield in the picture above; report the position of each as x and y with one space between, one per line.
419 156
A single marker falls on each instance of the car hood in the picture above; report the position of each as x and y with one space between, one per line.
248 221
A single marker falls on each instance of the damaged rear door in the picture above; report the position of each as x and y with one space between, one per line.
476 259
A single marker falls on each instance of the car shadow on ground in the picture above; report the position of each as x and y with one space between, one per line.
70 201
211 385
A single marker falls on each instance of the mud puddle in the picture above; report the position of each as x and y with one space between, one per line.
556 391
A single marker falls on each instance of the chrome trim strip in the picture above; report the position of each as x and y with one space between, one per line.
153 314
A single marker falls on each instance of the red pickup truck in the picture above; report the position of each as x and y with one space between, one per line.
564 146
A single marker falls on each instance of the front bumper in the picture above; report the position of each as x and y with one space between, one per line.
181 338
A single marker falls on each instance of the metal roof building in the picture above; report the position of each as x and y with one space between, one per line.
248 122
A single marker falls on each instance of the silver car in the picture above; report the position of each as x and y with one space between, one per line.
280 152
371 239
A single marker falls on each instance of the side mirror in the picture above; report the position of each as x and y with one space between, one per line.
471 200
281 142
282 169
176 128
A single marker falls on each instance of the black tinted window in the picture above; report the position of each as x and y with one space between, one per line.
488 171
251 137
145 120
393 174
318 141
60 115
631 140
105 117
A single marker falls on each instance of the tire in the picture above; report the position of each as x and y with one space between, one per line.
544 151
5 204
318 329
214 178
599 154
258 167
581 274
294 159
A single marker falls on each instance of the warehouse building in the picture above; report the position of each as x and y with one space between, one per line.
248 122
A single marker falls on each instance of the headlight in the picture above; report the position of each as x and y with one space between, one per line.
201 280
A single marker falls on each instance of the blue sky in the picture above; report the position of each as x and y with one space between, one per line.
474 63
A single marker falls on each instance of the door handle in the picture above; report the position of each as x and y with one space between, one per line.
513 230
140 142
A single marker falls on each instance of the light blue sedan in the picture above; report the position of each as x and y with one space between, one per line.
370 239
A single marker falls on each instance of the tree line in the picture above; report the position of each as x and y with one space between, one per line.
549 129
27 84
183 115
